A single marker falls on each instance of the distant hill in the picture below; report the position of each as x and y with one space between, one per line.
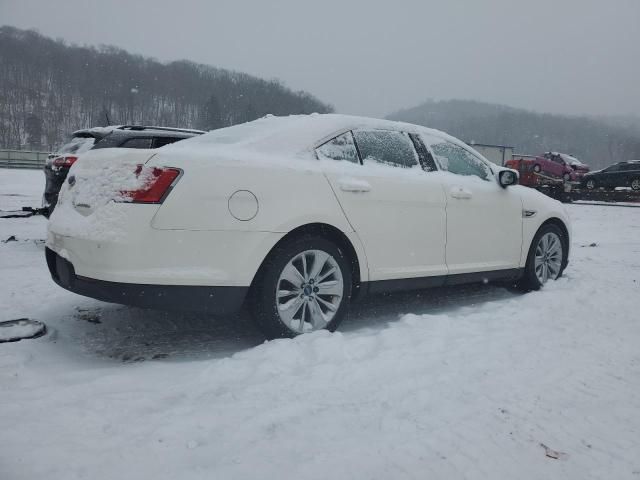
596 142
48 89
630 123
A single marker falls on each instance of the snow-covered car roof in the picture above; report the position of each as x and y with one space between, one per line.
292 134
568 158
103 131
99 131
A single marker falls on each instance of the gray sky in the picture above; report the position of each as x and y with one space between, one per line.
374 57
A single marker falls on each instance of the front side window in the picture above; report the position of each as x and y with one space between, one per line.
387 147
455 159
339 148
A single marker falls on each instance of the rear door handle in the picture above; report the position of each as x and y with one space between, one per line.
461 193
354 185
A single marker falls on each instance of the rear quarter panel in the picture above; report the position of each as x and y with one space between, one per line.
287 197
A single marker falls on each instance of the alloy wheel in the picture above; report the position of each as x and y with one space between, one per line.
309 291
548 257
635 184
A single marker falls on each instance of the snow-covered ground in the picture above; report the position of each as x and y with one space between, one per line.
473 382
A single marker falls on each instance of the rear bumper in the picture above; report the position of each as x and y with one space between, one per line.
219 300
117 244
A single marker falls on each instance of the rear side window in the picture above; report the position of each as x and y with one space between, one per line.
138 142
162 141
630 166
110 141
455 159
387 147
339 148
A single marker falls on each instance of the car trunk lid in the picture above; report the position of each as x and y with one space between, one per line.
102 176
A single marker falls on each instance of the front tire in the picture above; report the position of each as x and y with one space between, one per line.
304 285
590 184
547 258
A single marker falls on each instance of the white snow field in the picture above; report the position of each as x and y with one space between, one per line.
472 382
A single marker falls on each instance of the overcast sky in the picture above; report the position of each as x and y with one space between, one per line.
374 57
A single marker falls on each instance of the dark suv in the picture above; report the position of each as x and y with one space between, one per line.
622 174
126 136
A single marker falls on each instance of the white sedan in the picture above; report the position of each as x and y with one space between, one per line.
295 216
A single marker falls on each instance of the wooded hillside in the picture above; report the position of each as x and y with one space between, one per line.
48 89
596 142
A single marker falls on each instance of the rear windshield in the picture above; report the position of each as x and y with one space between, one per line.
78 145
150 140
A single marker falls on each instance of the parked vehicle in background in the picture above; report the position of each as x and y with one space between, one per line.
621 174
125 136
294 216
578 167
550 164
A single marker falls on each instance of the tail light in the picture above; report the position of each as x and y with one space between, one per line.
64 161
157 184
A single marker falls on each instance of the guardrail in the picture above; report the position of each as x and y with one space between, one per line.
22 159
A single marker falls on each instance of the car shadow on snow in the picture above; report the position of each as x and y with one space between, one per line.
131 334
378 311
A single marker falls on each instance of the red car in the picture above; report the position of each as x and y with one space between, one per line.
550 164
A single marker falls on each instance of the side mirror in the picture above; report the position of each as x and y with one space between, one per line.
507 177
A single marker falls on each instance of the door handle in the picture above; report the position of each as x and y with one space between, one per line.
354 185
461 193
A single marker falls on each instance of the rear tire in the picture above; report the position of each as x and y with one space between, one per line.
304 285
590 184
547 258
635 184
